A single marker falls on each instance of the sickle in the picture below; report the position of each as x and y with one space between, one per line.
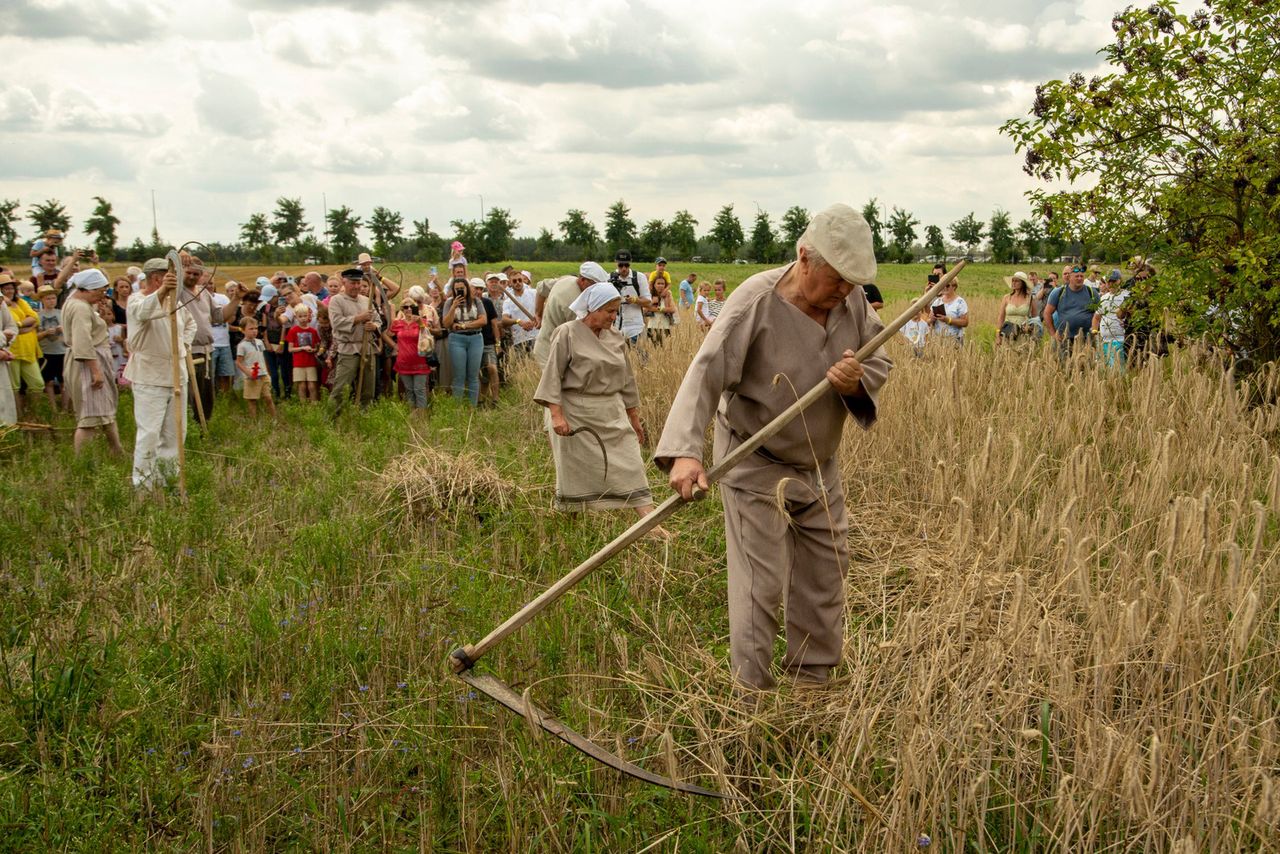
591 430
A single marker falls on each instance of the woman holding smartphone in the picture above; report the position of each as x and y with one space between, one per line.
950 311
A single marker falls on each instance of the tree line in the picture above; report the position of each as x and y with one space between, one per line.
286 235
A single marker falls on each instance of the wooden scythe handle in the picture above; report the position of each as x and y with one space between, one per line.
463 658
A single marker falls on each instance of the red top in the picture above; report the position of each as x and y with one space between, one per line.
303 336
407 359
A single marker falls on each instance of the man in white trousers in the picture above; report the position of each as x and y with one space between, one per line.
150 370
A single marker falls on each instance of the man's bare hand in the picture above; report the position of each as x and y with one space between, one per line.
169 282
845 375
688 478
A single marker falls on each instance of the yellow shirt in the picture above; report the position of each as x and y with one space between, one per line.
653 277
26 347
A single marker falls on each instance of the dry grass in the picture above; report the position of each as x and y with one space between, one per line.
425 483
1062 622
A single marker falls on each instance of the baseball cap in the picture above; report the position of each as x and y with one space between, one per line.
623 257
269 292
660 260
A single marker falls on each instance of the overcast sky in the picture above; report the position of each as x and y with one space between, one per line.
536 106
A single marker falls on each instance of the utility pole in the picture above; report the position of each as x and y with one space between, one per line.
155 229
481 207
324 217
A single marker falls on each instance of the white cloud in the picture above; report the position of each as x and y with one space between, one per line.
539 105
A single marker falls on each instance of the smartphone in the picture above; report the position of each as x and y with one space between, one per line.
933 278
434 271
939 310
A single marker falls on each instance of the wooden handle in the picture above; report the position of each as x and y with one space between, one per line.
464 658
174 257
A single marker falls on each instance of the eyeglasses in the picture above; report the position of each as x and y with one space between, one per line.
623 264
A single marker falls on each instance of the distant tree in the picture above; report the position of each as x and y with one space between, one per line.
289 221
1055 243
544 249
579 231
619 228
102 225
427 245
1031 236
794 222
344 226
8 234
968 232
652 238
255 232
137 251
387 227
934 242
1000 232
764 243
726 231
902 225
682 235
871 213
50 213
499 228
310 247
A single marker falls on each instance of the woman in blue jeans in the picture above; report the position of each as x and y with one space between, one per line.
464 318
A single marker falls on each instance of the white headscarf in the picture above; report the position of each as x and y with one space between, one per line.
594 297
89 280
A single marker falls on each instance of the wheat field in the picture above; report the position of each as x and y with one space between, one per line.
1062 633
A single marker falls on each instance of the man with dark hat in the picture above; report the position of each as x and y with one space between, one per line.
636 297
356 337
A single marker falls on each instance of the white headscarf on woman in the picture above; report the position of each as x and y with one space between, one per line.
599 294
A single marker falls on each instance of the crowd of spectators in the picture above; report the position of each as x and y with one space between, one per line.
1086 309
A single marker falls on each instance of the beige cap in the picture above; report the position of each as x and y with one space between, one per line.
843 238
154 265
46 291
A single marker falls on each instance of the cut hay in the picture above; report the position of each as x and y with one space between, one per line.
428 484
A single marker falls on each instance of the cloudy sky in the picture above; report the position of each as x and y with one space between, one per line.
537 106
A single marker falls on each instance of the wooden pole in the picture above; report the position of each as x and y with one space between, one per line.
464 658
195 394
178 404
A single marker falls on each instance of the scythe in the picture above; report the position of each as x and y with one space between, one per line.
463 659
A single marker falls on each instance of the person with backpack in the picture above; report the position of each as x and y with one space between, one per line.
636 297
1069 312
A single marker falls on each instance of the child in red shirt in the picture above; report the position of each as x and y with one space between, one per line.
303 341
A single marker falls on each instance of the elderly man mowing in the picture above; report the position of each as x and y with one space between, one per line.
786 528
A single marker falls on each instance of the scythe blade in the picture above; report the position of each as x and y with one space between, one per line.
495 688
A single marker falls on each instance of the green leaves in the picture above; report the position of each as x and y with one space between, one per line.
1172 156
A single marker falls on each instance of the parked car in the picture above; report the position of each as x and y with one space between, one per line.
739 261
696 259
311 259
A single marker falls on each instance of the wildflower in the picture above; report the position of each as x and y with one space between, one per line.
400 686
286 696
248 762
188 551
364 688
151 751
923 841
297 750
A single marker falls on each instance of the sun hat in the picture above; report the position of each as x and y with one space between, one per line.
89 280
364 258
527 275
593 271
599 294
843 239
1019 276
456 246
46 291
53 234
